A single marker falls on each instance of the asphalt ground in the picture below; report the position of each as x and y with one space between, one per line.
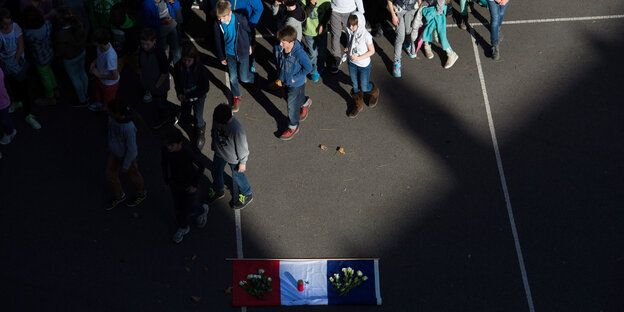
420 184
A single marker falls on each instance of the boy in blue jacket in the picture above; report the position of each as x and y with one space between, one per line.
232 33
293 65
160 15
123 154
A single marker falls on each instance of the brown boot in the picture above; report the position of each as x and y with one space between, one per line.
373 96
358 99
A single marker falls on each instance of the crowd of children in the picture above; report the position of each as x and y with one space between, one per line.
145 36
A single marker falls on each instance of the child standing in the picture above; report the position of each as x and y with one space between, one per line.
191 85
182 169
15 65
154 73
359 50
341 10
233 45
293 65
497 13
104 68
402 12
229 143
37 36
289 12
161 16
123 154
434 12
6 123
315 34
69 44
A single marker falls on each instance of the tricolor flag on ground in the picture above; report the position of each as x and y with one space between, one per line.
317 289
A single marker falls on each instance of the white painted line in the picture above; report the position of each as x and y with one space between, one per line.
239 241
551 20
501 172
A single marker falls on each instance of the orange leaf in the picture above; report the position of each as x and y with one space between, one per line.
341 150
228 290
194 257
323 147
195 299
187 269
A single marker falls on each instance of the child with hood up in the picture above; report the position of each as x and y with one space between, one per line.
358 51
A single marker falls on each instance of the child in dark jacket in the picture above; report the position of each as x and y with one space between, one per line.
191 85
123 154
182 169
38 39
154 73
293 65
289 12
233 47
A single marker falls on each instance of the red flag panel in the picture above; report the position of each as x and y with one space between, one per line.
242 268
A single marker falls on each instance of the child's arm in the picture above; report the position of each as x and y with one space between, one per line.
163 65
203 85
131 148
369 53
20 48
164 164
306 65
256 11
395 19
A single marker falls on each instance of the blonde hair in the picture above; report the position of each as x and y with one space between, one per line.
223 8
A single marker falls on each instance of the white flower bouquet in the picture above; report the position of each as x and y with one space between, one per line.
350 280
257 284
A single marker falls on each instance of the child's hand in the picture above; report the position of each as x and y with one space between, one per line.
224 62
191 189
293 80
182 98
320 29
346 50
250 50
354 57
395 20
242 168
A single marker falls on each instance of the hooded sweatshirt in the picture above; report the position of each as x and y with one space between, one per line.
122 139
359 40
294 18
230 142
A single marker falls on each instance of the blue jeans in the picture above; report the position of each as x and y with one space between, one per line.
240 184
76 70
360 78
238 68
295 97
6 123
317 48
497 12
198 110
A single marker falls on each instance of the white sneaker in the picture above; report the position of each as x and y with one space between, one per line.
147 97
452 58
179 234
96 107
202 218
30 120
428 52
7 138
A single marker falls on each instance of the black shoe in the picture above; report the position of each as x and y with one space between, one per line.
214 195
242 202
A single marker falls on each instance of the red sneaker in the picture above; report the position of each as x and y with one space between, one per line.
235 103
304 109
289 134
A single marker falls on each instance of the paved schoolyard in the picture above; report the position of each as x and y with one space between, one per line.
420 184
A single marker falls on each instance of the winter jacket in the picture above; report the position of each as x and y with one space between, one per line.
241 43
122 139
153 64
293 66
294 18
190 82
151 18
252 9
183 168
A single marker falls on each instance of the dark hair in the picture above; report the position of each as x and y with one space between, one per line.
290 2
32 18
189 50
101 36
66 17
5 13
118 14
118 106
287 33
148 34
352 20
222 114
173 136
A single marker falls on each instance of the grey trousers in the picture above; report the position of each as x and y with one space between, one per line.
337 23
405 27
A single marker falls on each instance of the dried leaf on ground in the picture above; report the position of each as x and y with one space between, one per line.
323 147
228 290
135 215
187 269
340 150
540 52
195 299
194 257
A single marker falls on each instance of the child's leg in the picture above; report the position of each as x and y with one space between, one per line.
180 205
400 36
239 182
175 53
6 122
321 43
48 80
312 51
295 98
335 22
198 110
364 77
109 93
353 72
136 178
112 175
232 65
75 70
218 165
244 71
